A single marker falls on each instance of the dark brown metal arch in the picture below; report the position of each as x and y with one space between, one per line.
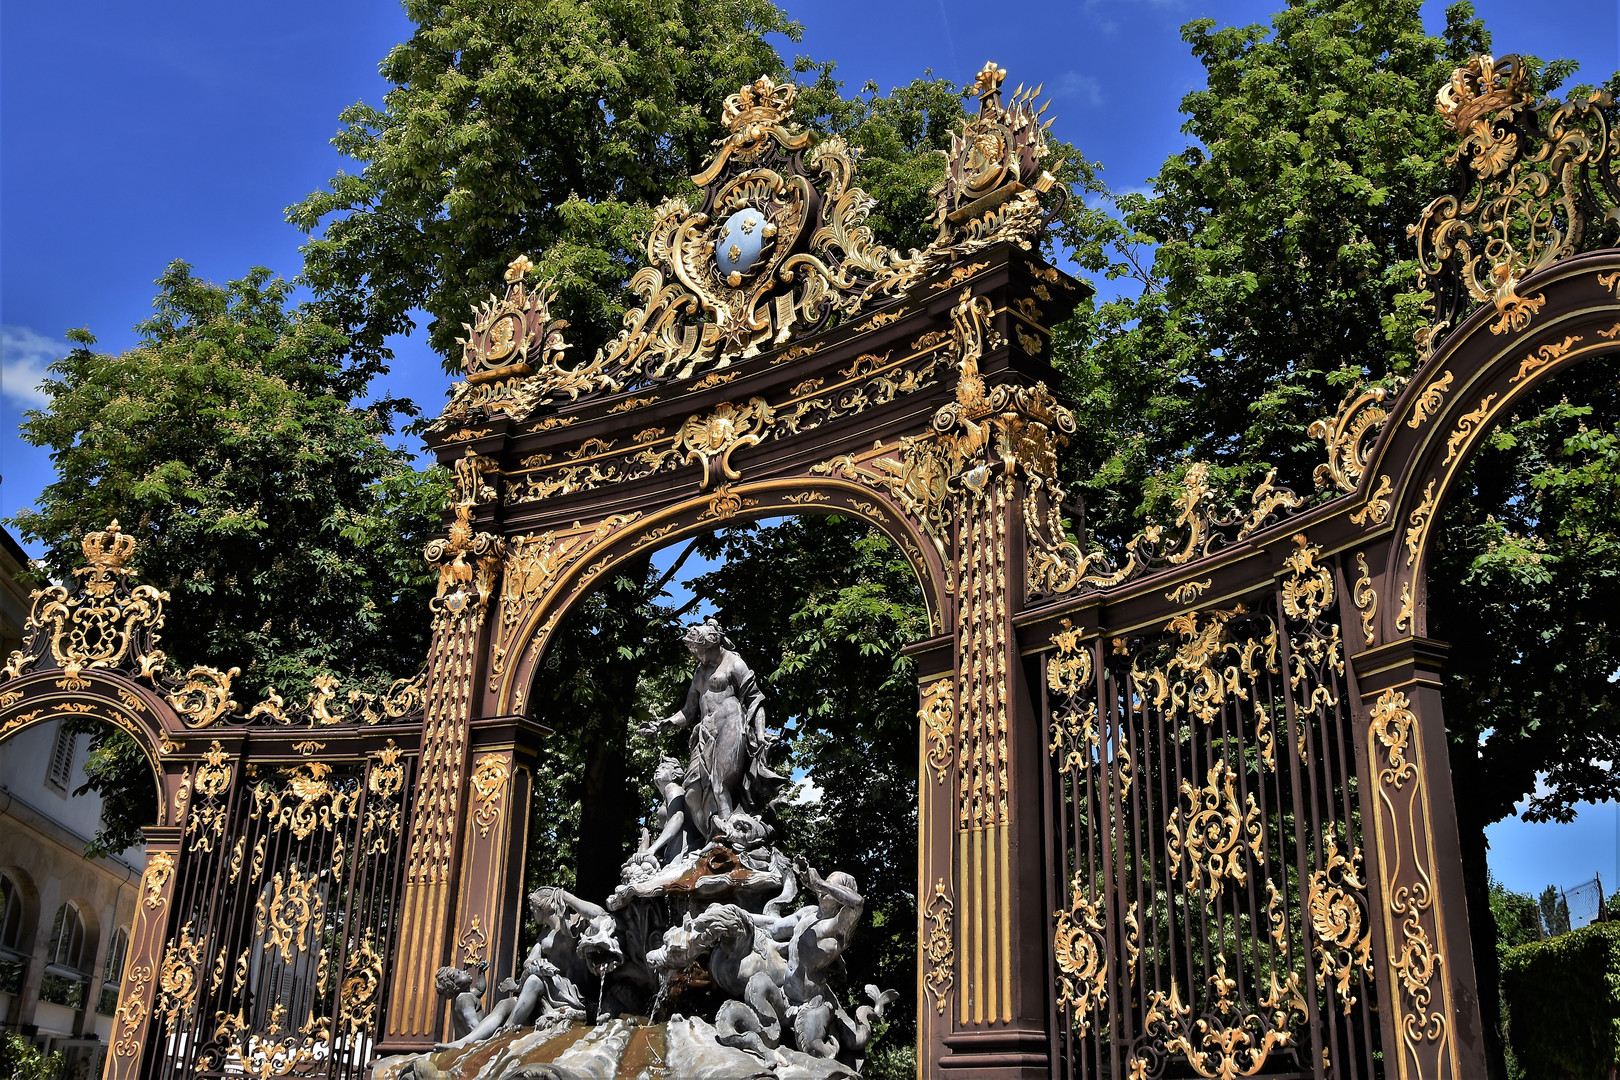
1475 377
103 695
755 500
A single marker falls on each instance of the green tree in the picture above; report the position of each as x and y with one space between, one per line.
1518 917
231 441
1268 267
1554 911
545 128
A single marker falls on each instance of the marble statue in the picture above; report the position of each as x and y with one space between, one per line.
704 939
727 771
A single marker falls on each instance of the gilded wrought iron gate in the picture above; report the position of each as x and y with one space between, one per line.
1208 871
1183 813
284 909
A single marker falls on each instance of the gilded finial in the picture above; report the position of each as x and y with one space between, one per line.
518 269
987 83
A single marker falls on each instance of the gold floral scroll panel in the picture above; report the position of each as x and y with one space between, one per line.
1202 927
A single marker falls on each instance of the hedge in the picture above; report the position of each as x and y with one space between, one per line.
1563 1004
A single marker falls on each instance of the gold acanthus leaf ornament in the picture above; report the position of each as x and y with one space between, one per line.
1349 436
489 777
1217 827
1081 953
938 716
178 980
939 947
286 911
1342 931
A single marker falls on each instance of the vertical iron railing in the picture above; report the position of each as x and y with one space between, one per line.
283 913
1210 908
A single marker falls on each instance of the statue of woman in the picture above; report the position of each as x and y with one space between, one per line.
726 772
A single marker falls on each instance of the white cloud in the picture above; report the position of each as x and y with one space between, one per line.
1081 88
24 356
806 792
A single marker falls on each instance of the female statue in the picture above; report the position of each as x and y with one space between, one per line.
726 772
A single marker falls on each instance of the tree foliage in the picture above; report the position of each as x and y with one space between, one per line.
231 442
545 128
1268 267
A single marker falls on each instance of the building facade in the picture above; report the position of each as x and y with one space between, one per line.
64 918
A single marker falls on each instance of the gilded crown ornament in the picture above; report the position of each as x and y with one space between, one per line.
1483 85
106 550
1533 183
751 108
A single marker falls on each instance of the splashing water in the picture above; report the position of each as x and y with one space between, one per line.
661 996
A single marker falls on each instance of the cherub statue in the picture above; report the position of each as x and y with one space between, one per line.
464 990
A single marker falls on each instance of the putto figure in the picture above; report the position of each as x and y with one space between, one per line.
727 773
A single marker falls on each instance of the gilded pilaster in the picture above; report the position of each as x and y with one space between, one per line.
1423 947
469 564
137 994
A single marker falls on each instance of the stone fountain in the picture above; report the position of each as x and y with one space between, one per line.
701 965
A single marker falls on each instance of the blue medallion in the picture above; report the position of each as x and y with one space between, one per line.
740 243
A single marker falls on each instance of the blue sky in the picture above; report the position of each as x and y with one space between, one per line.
133 134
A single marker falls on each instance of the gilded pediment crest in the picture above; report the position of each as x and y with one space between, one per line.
777 247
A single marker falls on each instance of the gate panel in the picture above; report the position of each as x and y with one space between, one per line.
1211 911
283 912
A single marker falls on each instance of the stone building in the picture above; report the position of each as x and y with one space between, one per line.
64 918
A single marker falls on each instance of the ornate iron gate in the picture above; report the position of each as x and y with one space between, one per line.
1210 872
283 910
1182 814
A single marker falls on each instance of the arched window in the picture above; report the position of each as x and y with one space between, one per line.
64 982
11 914
67 939
13 962
113 973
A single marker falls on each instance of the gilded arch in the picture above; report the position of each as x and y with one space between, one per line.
107 696
1476 376
589 563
